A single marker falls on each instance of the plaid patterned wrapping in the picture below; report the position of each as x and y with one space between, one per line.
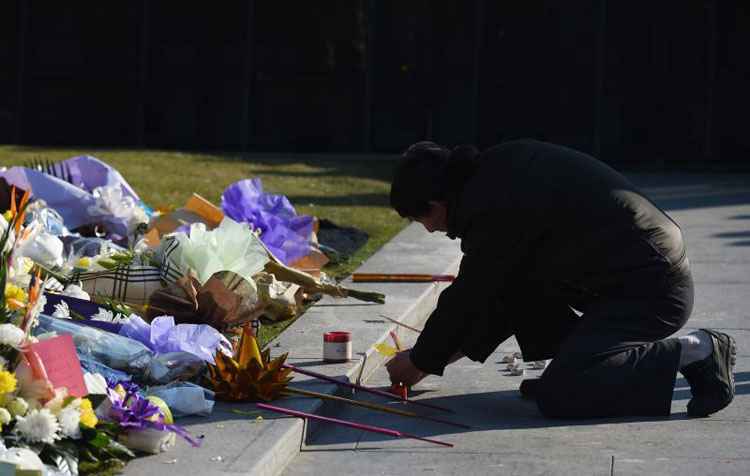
132 284
170 272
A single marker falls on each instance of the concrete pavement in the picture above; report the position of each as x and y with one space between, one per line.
508 435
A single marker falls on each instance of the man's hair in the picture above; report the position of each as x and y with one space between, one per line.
430 172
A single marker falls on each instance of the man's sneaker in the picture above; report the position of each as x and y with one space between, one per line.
712 379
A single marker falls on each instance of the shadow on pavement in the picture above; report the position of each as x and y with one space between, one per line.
741 380
501 410
733 234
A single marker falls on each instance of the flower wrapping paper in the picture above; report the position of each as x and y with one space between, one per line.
163 335
286 234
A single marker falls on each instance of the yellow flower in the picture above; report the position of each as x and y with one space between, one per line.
84 262
27 264
88 417
8 215
7 382
120 390
15 297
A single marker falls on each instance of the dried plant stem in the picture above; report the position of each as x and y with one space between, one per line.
310 284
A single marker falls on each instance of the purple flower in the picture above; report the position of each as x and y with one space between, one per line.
135 412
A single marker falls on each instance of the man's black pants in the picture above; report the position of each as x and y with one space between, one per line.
613 360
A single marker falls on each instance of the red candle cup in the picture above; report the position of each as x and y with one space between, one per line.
337 346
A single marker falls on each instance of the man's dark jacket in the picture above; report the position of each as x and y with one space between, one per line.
545 221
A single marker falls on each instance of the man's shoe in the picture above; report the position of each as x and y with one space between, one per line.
529 388
712 379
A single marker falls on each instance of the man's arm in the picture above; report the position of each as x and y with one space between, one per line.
469 316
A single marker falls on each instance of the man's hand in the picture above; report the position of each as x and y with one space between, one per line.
402 370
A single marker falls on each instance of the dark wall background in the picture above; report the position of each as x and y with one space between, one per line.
636 81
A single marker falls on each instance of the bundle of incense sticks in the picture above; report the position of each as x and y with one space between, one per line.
363 389
351 424
400 278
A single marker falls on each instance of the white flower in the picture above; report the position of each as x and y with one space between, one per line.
122 319
4 416
11 335
19 271
55 404
103 315
38 307
109 316
62 310
70 418
18 407
39 426
77 292
95 383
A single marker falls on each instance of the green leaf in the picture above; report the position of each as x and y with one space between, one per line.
110 427
119 450
67 400
100 440
107 467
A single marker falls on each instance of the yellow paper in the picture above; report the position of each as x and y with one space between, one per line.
385 349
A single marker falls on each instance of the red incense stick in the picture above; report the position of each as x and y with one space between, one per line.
401 278
351 424
364 389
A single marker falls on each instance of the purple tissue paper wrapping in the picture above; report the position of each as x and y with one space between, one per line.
284 232
163 336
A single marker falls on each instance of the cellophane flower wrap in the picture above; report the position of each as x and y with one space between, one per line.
286 234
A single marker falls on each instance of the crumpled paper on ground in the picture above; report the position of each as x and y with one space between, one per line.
286 234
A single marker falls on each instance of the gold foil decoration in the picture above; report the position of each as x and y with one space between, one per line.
251 375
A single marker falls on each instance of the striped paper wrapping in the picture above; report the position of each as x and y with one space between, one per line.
132 284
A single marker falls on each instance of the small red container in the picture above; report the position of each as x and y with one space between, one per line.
337 346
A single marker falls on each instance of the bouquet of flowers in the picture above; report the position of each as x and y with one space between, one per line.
43 425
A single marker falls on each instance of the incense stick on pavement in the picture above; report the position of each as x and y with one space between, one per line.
363 388
418 331
351 424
